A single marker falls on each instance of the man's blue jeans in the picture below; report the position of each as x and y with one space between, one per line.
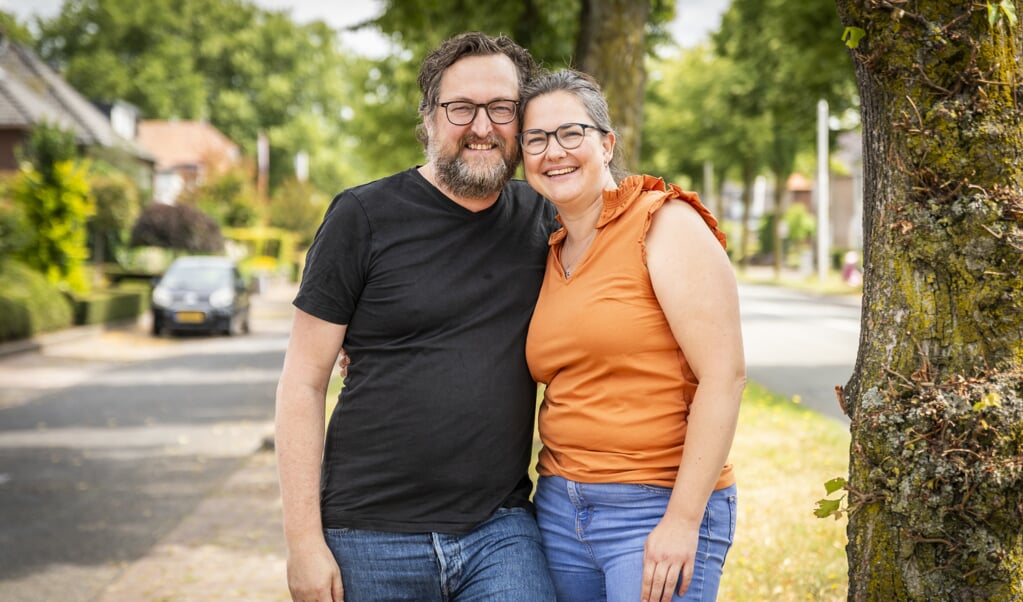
594 534
500 560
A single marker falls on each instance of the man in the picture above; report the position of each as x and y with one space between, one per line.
428 278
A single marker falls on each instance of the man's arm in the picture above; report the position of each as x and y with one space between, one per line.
313 574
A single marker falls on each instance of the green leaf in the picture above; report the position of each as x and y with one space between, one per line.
1009 10
992 14
826 508
834 485
991 400
852 36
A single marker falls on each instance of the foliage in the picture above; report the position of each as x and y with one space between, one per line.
768 43
243 69
14 29
691 117
28 303
798 228
47 145
117 207
111 305
299 208
229 198
179 227
15 234
381 122
52 191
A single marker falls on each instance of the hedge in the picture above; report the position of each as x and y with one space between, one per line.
29 305
110 306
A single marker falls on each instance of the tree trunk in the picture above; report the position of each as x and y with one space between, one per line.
777 246
936 397
611 47
749 175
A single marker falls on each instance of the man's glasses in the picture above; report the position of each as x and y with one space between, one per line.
568 135
461 112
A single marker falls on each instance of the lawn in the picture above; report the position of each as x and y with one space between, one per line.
783 454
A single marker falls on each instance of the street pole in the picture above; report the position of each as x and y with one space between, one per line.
708 190
823 192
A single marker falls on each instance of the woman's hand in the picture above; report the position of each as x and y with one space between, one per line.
669 554
342 363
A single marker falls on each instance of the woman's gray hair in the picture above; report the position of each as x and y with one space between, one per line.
586 89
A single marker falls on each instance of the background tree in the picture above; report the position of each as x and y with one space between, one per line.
611 46
117 207
243 69
936 399
297 207
692 118
770 42
229 198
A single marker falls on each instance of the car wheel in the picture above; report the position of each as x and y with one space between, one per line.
157 328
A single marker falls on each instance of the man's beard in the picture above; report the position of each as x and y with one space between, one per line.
473 181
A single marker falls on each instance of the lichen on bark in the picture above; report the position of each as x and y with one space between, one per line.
948 471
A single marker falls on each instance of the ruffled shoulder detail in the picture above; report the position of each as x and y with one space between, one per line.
616 201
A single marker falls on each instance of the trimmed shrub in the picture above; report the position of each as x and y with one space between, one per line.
110 306
179 227
29 304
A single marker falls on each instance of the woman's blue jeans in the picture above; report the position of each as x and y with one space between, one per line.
500 560
594 533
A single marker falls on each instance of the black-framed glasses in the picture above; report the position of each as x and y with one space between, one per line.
462 112
568 135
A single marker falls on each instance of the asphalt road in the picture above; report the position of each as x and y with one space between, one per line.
107 442
798 344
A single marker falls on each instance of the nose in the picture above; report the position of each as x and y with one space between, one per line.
481 124
554 148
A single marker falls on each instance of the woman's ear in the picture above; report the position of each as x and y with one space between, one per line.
609 147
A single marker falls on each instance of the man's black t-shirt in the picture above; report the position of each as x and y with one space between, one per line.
433 430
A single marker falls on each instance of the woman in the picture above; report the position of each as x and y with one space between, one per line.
636 334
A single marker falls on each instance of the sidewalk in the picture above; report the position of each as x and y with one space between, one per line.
231 547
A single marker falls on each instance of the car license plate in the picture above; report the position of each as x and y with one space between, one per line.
190 317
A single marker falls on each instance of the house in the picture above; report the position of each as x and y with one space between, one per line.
31 93
187 154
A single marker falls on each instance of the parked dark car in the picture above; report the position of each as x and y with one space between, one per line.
201 294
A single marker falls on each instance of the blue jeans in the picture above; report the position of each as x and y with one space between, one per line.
594 534
500 560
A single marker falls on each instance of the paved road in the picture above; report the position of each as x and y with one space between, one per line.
800 344
106 443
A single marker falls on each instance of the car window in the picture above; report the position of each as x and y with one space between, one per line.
198 277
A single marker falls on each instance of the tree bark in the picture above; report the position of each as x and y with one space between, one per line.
936 461
611 47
